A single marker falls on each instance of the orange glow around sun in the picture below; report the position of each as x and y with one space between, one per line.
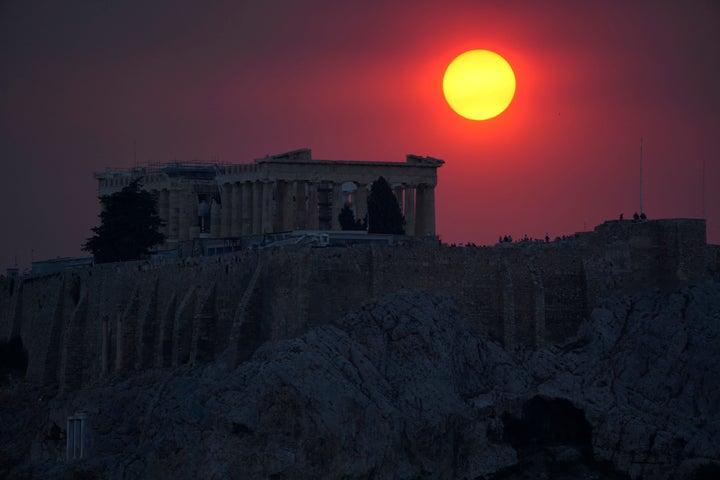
479 84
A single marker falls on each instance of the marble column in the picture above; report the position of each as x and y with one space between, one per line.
409 210
174 214
360 202
430 210
337 205
425 213
299 190
312 207
187 215
420 210
287 210
246 219
226 201
235 227
325 194
215 219
267 207
257 204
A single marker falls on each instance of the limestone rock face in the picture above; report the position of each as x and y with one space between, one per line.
648 379
401 389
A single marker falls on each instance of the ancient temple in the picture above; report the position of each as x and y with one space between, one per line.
278 193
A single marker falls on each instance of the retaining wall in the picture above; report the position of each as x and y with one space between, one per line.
83 324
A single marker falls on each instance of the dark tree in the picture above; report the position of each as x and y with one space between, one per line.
13 359
128 228
384 215
347 219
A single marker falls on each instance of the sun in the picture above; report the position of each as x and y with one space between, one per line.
479 84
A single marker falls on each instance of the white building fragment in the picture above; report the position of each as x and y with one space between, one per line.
77 436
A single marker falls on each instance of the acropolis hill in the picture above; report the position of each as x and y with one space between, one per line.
263 342
86 323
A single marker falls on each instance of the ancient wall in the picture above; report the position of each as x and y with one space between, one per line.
86 323
712 259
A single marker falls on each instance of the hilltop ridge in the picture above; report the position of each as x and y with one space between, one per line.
83 324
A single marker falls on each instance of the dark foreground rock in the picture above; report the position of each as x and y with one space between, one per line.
401 390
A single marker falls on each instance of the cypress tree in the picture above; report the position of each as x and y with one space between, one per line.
129 226
384 214
347 219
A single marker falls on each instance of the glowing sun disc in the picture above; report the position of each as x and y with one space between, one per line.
479 84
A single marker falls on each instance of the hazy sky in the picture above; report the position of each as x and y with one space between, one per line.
80 81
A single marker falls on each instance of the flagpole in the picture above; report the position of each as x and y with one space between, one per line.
704 212
641 175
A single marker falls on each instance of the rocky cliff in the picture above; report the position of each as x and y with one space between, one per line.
400 388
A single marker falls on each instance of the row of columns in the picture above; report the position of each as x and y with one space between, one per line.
418 206
251 208
179 211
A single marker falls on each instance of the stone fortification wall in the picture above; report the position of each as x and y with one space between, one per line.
87 323
712 259
665 253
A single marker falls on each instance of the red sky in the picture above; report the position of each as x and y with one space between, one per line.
80 81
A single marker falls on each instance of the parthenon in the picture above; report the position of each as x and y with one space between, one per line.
277 193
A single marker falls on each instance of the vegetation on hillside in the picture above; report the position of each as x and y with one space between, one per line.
348 221
129 226
13 359
384 214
